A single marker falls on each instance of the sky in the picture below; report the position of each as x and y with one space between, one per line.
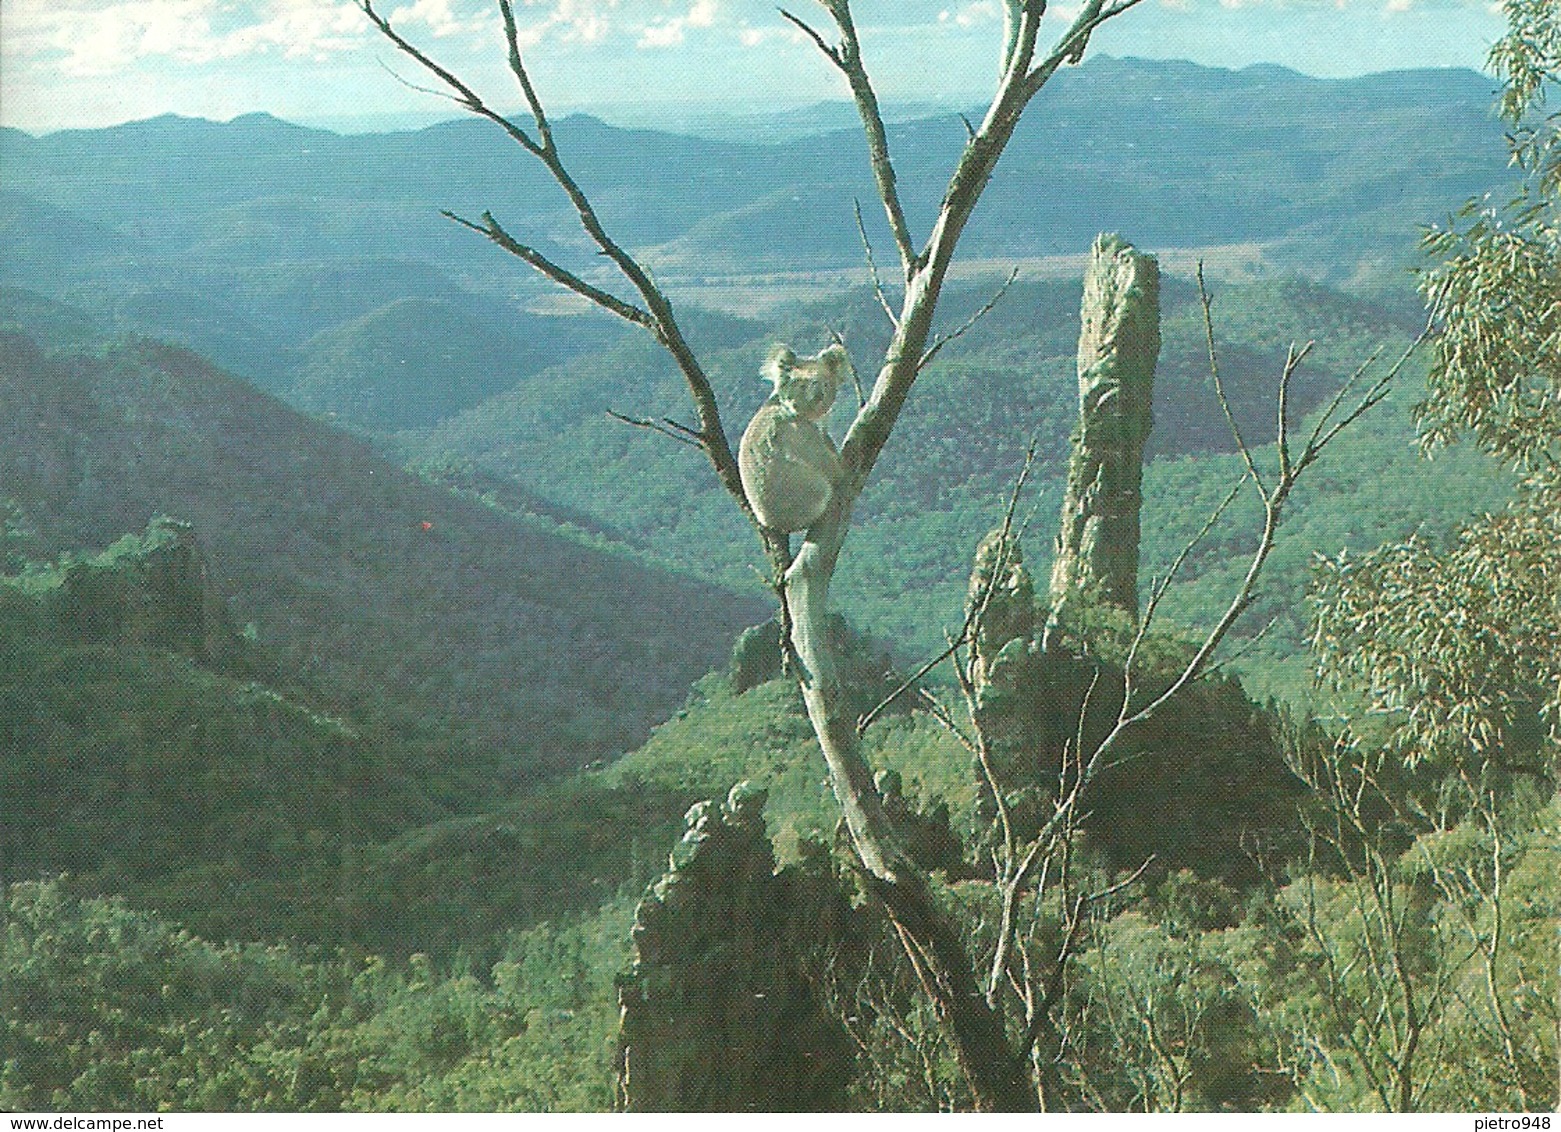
88 63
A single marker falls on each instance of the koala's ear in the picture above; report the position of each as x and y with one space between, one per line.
782 360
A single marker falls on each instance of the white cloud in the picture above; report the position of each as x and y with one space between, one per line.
670 32
97 41
299 28
436 15
980 12
581 21
97 37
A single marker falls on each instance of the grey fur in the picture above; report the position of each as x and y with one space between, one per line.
788 463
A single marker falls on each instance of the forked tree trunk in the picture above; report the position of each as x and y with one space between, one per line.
996 1074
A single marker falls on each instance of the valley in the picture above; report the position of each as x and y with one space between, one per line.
373 704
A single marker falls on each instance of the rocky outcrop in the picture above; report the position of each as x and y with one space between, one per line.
1119 342
756 657
720 1012
866 668
150 589
1000 603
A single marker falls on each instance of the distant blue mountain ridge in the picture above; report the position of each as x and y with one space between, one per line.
277 249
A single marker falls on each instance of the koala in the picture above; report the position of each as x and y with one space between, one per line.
788 463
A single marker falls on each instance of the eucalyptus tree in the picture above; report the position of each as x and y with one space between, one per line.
1461 643
1458 646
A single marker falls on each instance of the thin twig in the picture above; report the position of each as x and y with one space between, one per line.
518 69
1158 589
1219 386
495 232
944 340
656 315
1078 737
1070 48
978 609
847 57
1338 398
945 718
1245 647
657 426
1125 882
872 270
412 86
807 29
1293 360
464 94
867 718
1373 397
839 339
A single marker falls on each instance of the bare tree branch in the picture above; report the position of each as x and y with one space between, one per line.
1293 360
944 339
517 67
847 57
657 426
867 717
872 270
945 718
1066 808
1241 650
1070 48
1320 438
1158 590
856 379
978 609
495 232
1273 506
812 33
1207 302
656 315
868 433
930 940
464 94
412 86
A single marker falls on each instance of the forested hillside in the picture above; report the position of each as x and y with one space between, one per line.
1011 379
393 717
494 630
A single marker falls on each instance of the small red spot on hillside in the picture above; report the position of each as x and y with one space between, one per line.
426 525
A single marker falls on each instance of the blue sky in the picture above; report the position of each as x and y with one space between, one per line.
67 63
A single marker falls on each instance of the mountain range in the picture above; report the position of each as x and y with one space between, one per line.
358 672
281 252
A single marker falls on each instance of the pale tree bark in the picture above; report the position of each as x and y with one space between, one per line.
995 1068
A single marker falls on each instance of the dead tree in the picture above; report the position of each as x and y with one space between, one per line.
994 1061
